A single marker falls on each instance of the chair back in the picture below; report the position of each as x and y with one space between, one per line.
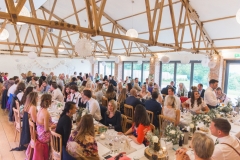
124 123
150 115
152 127
17 118
128 111
56 146
104 101
118 106
163 122
17 104
33 133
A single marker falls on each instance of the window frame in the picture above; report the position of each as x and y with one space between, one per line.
112 70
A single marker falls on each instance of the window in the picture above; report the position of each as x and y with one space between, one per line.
107 69
135 70
188 74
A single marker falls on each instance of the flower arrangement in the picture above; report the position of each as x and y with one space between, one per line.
238 102
154 140
205 118
225 108
59 105
172 134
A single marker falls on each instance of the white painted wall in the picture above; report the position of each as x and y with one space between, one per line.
57 65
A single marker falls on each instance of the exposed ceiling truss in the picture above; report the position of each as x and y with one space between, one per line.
38 30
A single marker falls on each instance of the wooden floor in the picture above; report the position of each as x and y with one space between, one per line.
7 132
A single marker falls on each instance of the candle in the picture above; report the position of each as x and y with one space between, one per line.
164 149
102 136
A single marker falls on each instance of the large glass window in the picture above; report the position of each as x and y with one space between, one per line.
127 70
188 74
146 68
137 71
232 80
107 69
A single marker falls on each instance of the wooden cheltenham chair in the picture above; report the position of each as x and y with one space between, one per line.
104 101
150 115
56 146
33 135
128 112
17 123
124 123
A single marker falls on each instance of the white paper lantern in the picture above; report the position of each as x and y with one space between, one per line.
238 16
61 50
83 47
185 60
165 59
4 35
118 59
139 62
132 33
212 64
205 62
32 55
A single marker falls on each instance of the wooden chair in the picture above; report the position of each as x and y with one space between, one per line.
33 134
152 127
128 112
17 123
118 106
124 123
17 105
56 146
104 101
150 115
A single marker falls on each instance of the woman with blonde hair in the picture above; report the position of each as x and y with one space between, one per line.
144 94
113 117
99 93
110 93
121 99
81 143
170 109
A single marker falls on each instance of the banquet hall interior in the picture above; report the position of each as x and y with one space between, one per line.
158 78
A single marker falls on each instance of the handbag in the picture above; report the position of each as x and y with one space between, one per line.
73 148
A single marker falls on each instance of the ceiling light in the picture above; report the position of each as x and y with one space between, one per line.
4 35
61 50
132 33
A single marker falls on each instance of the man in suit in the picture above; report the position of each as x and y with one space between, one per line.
155 107
132 100
201 91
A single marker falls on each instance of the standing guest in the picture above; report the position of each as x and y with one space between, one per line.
136 85
202 146
144 93
29 76
182 90
210 95
201 90
133 100
45 87
20 91
99 93
92 105
74 96
66 93
43 76
82 143
227 147
110 94
140 126
222 97
122 98
196 103
56 93
155 107
13 88
43 123
171 93
64 127
113 117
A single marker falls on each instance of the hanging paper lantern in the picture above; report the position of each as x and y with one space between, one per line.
185 60
205 62
118 59
132 33
139 61
238 16
61 50
212 64
165 59
83 47
32 55
4 35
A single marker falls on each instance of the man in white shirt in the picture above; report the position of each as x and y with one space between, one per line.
56 93
75 95
227 147
210 95
92 105
171 93
13 88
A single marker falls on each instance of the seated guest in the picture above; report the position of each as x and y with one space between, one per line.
56 93
150 87
66 93
119 88
20 91
136 85
64 127
140 126
29 76
128 87
82 143
34 82
172 84
144 93
122 98
171 93
155 107
73 82
222 97
210 96
99 93
202 146
110 94
201 90
170 109
24 97
227 147
132 100
45 87
113 117
92 105
165 90
81 101
196 103
112 81
160 98
105 86
182 90
193 88
74 96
